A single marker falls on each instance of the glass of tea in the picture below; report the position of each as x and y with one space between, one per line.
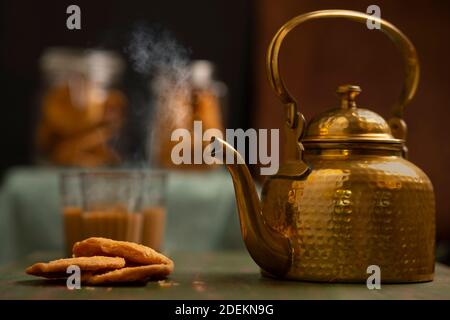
123 205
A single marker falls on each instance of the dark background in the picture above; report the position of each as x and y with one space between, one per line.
214 30
235 34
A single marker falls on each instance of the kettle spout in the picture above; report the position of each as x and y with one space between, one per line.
270 249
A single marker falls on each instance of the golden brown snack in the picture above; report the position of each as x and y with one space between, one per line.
129 274
130 251
57 268
77 123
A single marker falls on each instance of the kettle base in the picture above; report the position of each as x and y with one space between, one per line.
416 279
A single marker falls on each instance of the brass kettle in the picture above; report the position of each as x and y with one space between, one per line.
345 197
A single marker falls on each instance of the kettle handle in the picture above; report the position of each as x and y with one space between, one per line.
404 45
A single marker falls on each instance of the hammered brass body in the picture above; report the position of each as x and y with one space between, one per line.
355 210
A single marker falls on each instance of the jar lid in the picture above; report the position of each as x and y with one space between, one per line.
348 123
100 66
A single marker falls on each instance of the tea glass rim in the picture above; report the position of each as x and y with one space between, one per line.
114 173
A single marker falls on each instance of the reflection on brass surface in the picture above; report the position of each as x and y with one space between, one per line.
346 197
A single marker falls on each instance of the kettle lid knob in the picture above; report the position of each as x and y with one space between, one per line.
348 93
348 124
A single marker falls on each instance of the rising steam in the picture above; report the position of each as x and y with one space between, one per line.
157 55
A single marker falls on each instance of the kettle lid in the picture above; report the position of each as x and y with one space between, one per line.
348 123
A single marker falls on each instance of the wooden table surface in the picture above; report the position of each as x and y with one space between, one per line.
225 275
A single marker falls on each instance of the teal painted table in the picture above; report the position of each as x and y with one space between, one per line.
225 275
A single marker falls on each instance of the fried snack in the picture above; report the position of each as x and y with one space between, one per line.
130 251
129 274
77 123
57 268
88 149
71 109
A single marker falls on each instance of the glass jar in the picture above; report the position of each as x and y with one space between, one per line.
183 97
82 110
